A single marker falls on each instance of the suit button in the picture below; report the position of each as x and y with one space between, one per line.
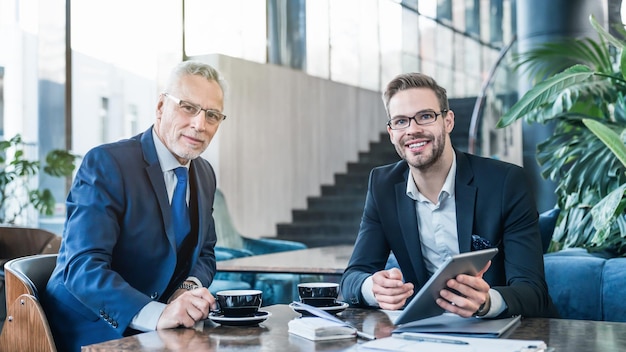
154 295
102 312
114 325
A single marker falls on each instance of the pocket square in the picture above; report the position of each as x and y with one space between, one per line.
479 243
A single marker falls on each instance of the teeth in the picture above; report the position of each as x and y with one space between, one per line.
416 145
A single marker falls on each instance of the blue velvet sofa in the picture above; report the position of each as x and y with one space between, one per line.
582 285
586 286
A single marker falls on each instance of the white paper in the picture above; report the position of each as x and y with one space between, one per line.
399 344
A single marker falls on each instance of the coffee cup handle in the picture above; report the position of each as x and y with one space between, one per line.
218 309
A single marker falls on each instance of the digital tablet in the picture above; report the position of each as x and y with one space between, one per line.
423 304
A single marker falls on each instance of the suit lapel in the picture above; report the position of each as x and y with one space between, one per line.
155 175
465 202
410 231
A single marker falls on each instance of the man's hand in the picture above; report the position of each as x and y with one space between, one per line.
186 309
466 294
389 290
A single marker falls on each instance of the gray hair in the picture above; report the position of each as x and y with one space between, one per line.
193 67
414 80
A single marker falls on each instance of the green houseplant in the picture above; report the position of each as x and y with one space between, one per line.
582 89
17 172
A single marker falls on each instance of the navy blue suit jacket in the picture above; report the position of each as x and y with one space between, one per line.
493 201
118 250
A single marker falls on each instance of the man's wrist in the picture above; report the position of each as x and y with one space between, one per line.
188 285
484 308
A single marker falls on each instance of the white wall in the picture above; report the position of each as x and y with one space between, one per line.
286 134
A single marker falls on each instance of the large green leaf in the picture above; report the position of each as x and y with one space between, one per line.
611 139
603 213
603 33
545 92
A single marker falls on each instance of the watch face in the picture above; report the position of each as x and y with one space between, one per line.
188 286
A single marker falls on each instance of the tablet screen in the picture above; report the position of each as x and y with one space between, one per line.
423 304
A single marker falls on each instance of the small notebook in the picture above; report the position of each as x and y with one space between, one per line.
314 328
456 325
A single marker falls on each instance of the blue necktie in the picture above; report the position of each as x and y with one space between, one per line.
180 213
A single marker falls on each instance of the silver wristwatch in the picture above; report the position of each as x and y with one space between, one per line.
188 287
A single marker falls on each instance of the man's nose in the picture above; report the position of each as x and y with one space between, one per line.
199 121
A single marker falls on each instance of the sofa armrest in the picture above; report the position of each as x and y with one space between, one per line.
225 253
269 245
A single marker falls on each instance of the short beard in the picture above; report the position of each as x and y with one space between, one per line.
438 146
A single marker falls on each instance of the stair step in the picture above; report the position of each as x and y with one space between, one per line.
352 189
361 168
321 240
314 228
335 203
379 157
345 215
351 179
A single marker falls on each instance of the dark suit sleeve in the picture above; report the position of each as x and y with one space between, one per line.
370 250
524 289
112 236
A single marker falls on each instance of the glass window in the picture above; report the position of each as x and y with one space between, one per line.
317 38
472 17
428 38
495 21
392 27
1 101
444 10
235 28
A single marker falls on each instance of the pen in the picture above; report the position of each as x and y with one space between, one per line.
365 336
409 336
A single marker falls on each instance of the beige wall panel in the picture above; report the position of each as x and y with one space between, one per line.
286 134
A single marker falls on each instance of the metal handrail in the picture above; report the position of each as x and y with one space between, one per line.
473 130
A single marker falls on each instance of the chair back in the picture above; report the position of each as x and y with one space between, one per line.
22 241
26 327
227 234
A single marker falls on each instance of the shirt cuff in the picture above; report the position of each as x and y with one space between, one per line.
497 304
148 317
195 280
368 293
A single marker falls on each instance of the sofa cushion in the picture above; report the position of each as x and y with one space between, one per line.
575 284
614 290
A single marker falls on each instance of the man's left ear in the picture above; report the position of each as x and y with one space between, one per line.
449 120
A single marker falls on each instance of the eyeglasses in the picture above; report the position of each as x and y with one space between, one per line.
212 117
424 117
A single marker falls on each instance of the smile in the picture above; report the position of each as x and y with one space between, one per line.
417 145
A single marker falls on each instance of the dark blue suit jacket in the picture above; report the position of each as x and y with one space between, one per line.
118 251
493 201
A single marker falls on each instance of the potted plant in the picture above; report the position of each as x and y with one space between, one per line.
17 193
582 89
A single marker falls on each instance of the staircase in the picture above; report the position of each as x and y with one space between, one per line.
334 217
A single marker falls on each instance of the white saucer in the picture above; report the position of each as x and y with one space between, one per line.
338 307
258 317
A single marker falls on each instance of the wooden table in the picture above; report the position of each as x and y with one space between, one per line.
320 260
272 335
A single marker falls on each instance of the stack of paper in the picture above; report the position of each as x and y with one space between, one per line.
314 328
